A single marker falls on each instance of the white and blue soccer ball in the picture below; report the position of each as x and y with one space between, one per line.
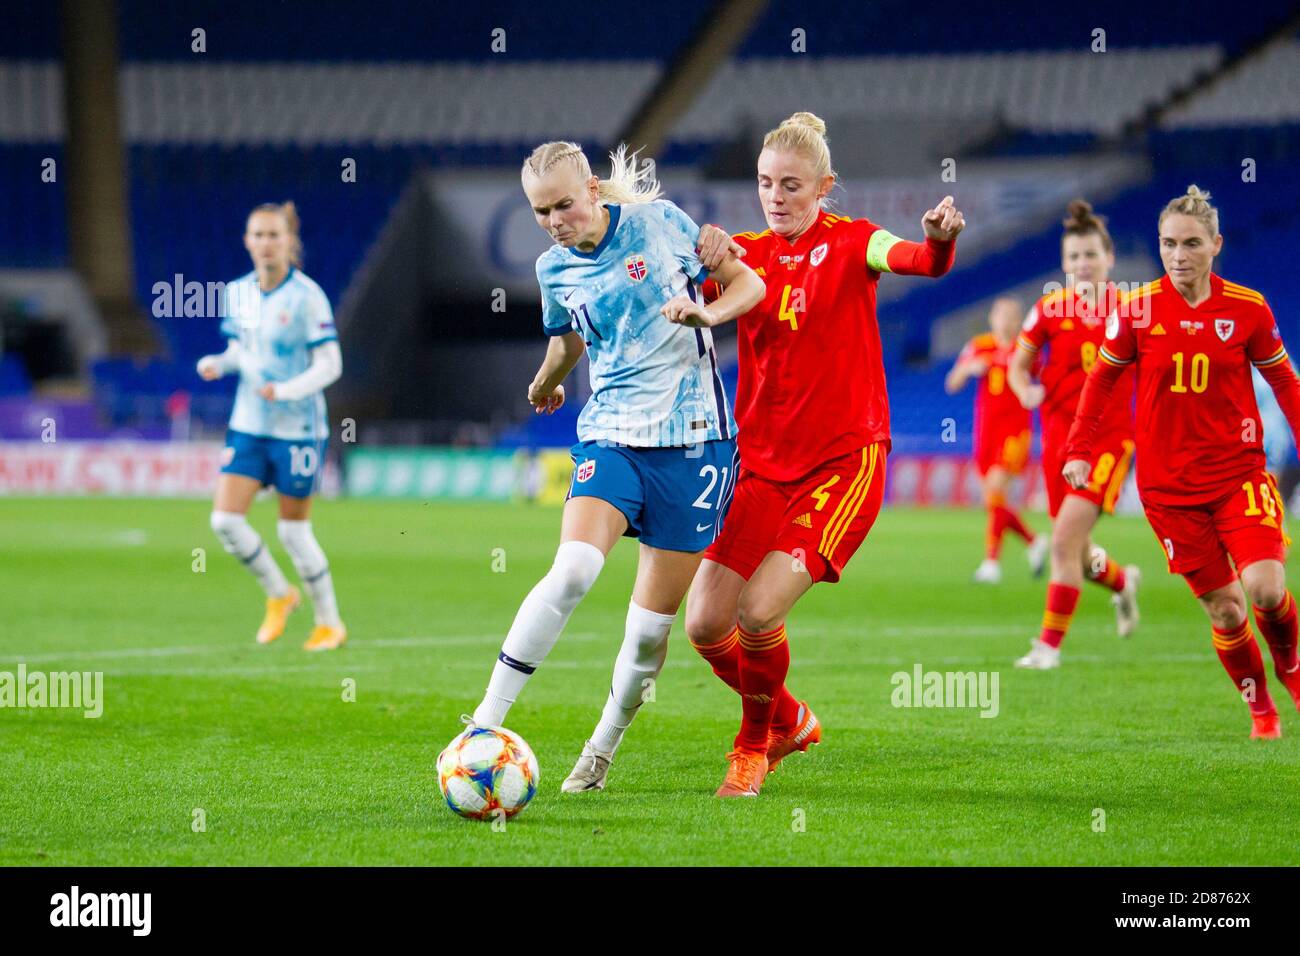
487 771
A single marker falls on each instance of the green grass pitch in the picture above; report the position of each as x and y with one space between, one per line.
196 716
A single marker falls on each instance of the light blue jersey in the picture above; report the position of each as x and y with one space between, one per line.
654 384
276 331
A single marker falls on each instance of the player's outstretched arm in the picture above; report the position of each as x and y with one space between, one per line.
963 370
942 224
742 290
325 369
546 394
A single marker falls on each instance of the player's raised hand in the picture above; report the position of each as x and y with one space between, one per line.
267 391
682 310
545 402
977 367
944 221
715 245
1076 472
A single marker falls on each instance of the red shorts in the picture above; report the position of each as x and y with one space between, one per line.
820 519
1111 460
1008 452
1245 524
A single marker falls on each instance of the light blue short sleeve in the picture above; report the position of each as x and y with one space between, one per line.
318 319
555 318
229 327
684 234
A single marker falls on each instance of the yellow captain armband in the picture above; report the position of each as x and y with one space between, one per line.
878 246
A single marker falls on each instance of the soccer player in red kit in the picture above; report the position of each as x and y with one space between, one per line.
1002 434
813 416
1193 338
1069 323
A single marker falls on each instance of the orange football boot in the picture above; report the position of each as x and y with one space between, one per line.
1266 727
326 638
277 613
744 776
807 731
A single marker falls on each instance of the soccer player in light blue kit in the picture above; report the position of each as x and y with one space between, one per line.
656 455
282 342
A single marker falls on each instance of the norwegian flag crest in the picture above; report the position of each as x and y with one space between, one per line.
586 469
635 267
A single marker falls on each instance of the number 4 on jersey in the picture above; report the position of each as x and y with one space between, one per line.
791 306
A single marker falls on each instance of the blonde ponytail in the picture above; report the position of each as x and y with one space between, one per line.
1195 203
626 183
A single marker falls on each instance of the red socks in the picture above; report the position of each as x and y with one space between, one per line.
724 658
1239 652
1061 602
1111 576
1001 520
1011 521
764 663
1279 629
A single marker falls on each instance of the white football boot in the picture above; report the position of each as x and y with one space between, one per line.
989 572
1041 657
1037 553
1126 601
589 772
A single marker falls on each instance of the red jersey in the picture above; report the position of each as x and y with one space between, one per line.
812 377
998 413
1072 331
1198 427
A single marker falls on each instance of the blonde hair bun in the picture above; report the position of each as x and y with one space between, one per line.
1195 203
810 120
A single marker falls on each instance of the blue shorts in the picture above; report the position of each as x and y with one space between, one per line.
293 467
673 498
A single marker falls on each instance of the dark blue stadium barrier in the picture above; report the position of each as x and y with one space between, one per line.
30 31
280 30
13 376
907 27
344 30
34 214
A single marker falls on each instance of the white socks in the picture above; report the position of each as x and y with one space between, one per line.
537 626
238 538
309 560
640 659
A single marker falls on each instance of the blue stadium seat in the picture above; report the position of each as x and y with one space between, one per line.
13 376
